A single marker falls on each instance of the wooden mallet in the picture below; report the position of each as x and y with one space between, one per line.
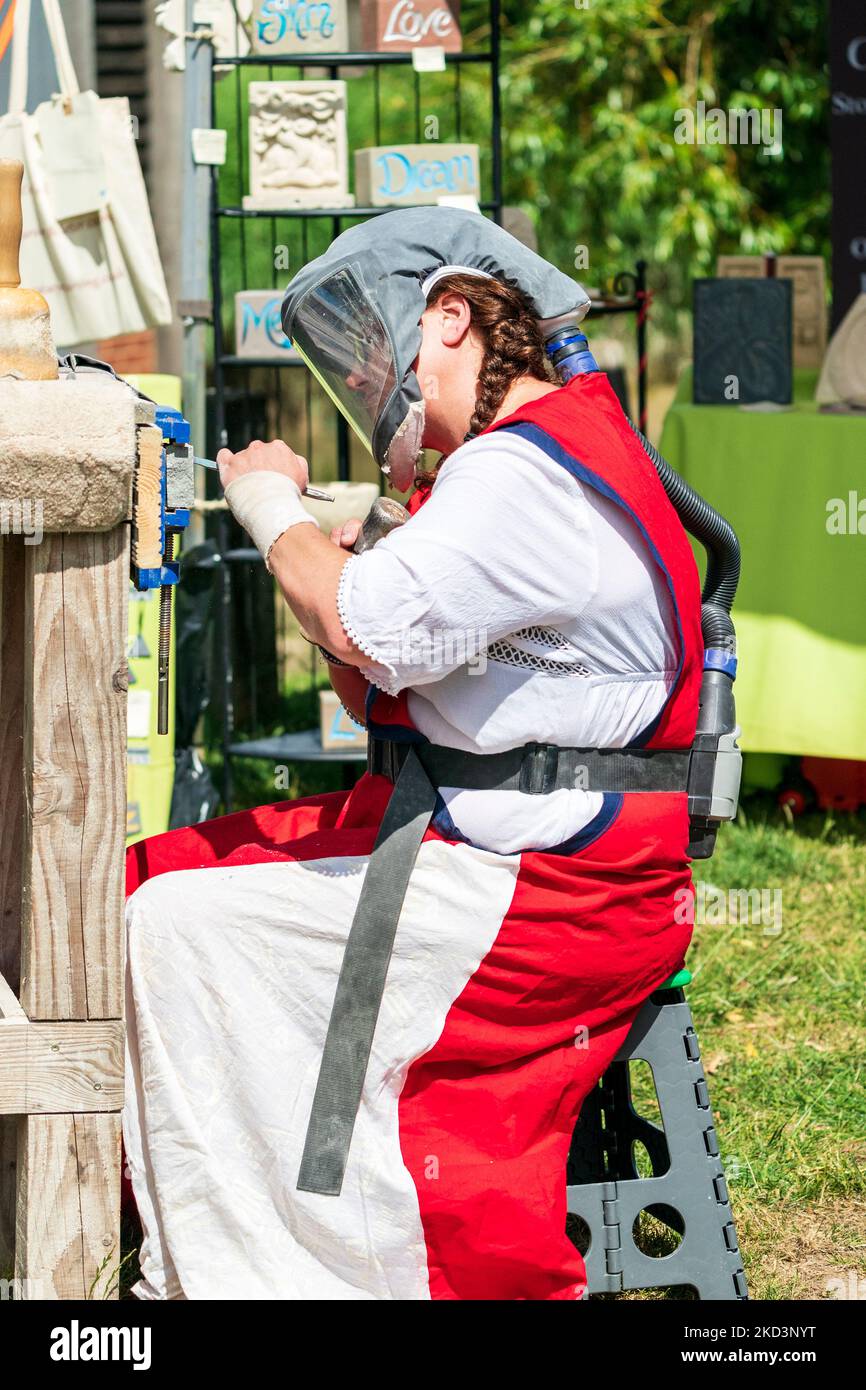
26 346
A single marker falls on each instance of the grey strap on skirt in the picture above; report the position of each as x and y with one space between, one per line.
362 981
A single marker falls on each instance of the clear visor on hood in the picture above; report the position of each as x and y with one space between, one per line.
344 342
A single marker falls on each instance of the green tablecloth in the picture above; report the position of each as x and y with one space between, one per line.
801 607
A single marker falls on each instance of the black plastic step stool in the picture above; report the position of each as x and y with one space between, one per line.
687 1190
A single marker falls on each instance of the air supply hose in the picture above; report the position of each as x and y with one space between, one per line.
568 353
716 762
719 540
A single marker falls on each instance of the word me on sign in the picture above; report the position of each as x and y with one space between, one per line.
259 327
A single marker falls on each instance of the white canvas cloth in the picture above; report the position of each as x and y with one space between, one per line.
101 272
231 978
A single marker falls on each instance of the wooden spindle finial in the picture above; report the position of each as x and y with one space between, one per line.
11 175
26 347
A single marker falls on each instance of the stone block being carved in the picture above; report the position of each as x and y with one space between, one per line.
298 145
403 175
398 26
300 26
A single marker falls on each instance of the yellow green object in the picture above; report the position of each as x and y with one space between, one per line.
801 606
150 756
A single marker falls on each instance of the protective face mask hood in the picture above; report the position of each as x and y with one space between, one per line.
354 315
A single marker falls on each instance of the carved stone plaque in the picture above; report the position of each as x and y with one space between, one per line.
810 307
298 145
810 299
402 175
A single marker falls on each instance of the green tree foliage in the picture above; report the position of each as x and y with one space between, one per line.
590 101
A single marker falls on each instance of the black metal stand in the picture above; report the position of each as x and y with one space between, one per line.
631 296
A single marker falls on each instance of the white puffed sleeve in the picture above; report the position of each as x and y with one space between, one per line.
504 542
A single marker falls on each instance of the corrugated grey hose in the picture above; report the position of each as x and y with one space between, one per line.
718 538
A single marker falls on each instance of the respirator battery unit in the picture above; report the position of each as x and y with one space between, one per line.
715 765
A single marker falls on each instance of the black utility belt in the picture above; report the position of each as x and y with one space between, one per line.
539 768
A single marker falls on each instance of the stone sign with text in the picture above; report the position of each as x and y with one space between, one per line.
259 327
300 26
402 175
399 26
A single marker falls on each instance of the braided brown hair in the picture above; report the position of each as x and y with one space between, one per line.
513 346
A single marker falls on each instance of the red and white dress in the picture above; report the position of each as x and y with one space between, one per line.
544 592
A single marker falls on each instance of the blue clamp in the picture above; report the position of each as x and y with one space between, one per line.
176 491
569 352
717 659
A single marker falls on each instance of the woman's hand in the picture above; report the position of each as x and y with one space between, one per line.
345 536
275 457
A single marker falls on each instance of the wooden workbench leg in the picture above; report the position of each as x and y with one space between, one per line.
75 666
67 1239
8 1150
67 1230
12 802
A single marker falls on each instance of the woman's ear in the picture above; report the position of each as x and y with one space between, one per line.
455 319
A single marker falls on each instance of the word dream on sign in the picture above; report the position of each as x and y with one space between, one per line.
405 175
301 26
399 26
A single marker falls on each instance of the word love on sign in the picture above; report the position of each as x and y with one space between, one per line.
402 175
398 26
259 327
300 26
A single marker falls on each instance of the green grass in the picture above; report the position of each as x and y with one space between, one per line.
781 1024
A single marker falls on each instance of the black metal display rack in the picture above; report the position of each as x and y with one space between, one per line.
234 393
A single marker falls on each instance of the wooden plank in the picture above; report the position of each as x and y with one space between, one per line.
8 1151
11 841
60 1067
75 631
68 1227
9 1006
146 538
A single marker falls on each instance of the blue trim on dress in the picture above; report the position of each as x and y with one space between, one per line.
550 446
395 733
443 824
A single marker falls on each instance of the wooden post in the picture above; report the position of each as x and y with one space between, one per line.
63 680
12 801
69 461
